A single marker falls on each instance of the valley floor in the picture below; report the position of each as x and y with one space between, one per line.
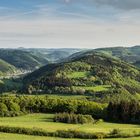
45 122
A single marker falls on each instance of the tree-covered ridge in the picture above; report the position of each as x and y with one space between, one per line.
86 72
130 54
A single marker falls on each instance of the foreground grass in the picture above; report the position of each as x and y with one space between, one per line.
45 122
8 136
136 138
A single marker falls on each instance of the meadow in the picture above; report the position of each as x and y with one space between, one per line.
78 74
94 88
45 122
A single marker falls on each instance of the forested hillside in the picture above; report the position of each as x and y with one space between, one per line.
85 74
130 55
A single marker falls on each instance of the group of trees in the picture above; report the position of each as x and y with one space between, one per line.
45 104
76 66
73 118
10 109
127 111
124 111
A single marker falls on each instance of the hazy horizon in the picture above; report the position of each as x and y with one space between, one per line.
84 48
69 23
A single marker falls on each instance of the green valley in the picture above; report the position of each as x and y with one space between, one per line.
69 70
88 96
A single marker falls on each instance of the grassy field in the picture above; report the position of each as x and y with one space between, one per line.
45 122
78 74
7 136
94 88
77 97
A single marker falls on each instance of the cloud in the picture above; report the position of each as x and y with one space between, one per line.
67 1
16 15
63 11
60 33
121 4
72 23
73 9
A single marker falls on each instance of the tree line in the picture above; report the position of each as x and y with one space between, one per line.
16 105
126 111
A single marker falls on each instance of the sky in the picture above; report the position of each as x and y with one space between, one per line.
69 23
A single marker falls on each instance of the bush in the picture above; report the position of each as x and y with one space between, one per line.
115 132
14 107
3 107
67 133
59 133
78 134
27 131
73 118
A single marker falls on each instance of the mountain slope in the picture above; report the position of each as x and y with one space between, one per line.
53 55
22 59
130 55
83 73
6 68
32 58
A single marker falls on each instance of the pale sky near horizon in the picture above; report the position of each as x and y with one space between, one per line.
69 23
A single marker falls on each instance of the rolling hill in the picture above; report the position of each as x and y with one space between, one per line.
22 59
53 55
6 68
15 63
128 54
32 58
86 73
